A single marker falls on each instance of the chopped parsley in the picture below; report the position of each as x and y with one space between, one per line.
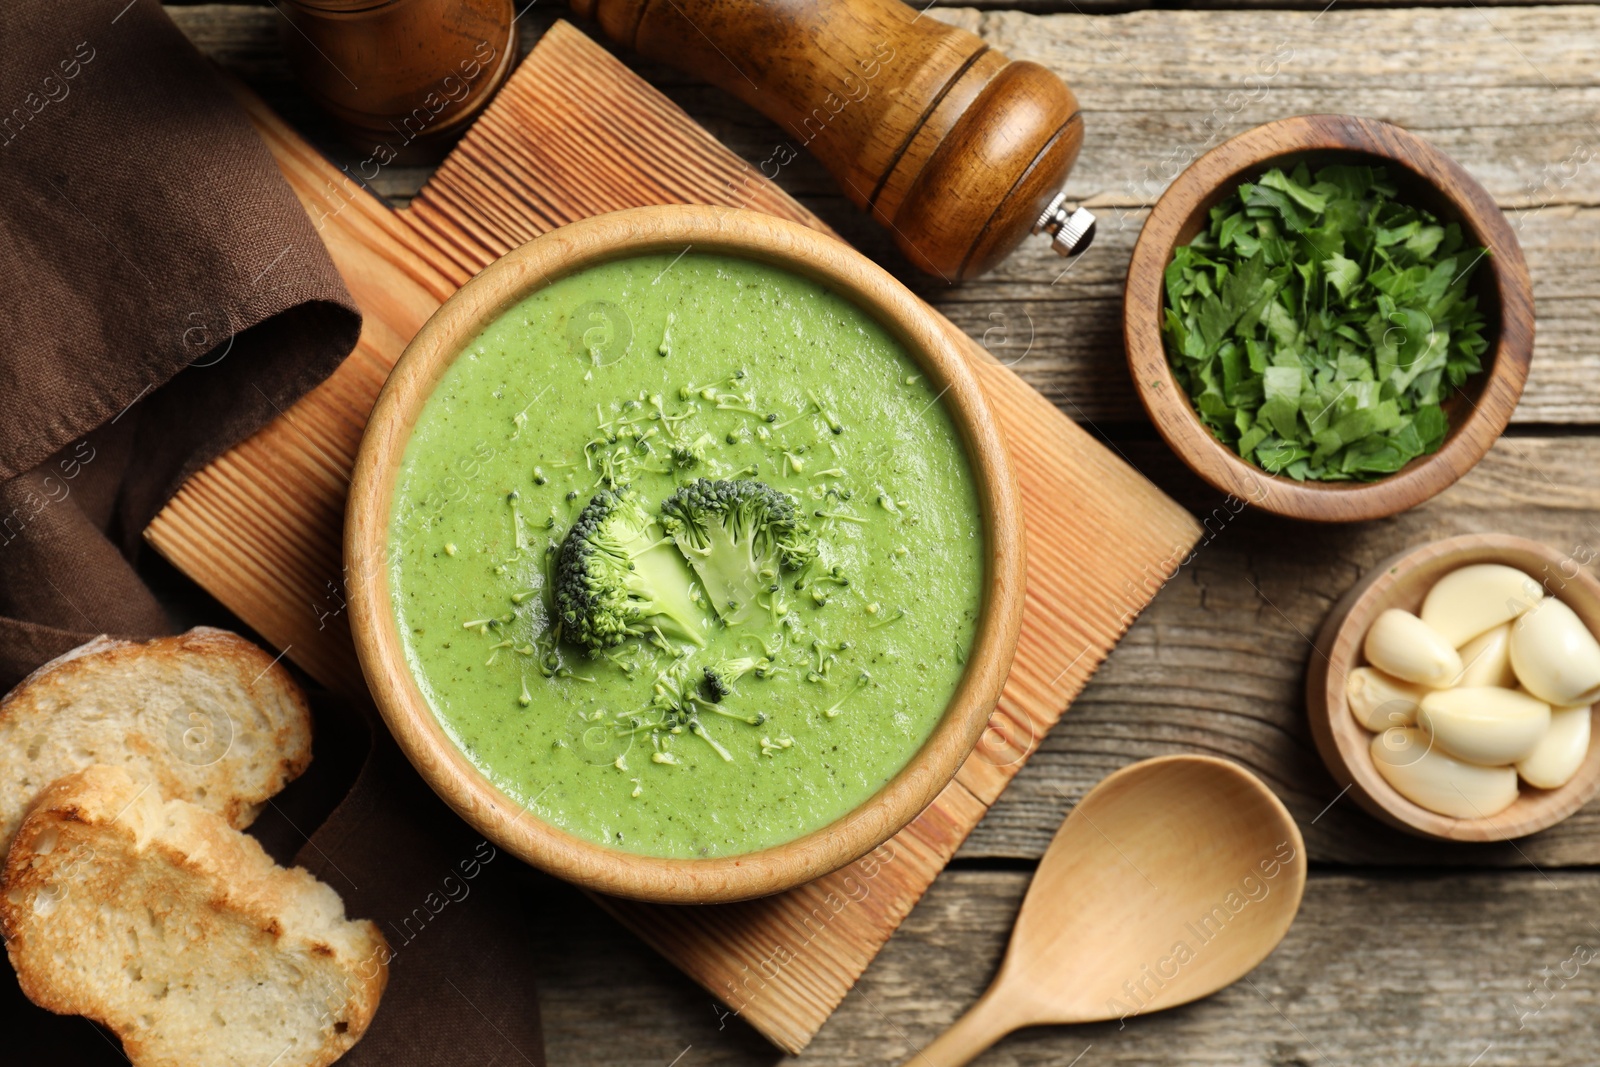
1317 324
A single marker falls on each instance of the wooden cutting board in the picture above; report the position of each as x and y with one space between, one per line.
575 133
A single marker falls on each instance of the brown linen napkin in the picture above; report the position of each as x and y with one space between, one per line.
145 236
461 984
165 297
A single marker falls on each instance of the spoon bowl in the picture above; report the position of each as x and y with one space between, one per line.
1169 880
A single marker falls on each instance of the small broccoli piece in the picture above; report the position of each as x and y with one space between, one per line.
714 686
717 682
817 583
737 536
691 455
862 679
615 579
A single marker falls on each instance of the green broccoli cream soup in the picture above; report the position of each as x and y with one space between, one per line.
687 555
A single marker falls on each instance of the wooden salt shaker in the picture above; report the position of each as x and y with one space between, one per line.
403 78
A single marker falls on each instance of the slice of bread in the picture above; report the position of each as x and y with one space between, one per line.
162 922
206 715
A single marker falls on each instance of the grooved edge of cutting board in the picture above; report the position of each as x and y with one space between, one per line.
575 133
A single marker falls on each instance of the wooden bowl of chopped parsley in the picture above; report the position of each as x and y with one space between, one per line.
1328 318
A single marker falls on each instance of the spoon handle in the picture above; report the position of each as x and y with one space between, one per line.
985 1022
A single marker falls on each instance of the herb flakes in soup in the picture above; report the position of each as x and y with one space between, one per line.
687 555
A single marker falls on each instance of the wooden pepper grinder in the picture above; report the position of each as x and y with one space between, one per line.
403 78
958 150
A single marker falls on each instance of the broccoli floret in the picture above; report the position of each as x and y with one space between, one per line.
693 454
714 686
718 681
737 537
615 578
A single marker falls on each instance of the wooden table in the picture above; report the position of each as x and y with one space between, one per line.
1405 952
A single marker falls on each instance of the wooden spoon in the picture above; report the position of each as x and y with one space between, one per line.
1171 879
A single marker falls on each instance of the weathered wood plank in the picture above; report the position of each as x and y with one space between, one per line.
1510 94
1424 971
1217 663
1428 971
1075 326
1506 93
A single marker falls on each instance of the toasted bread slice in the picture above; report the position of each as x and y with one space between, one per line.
162 922
206 715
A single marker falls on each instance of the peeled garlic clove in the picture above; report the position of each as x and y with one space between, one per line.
1468 601
1403 645
1379 701
1486 659
1430 779
1562 751
1484 724
1555 656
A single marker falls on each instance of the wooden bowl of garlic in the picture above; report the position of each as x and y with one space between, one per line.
1453 689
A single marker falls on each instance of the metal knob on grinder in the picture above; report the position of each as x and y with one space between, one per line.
1071 229
958 151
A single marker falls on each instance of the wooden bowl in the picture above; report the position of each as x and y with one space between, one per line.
1401 581
1426 178
466 789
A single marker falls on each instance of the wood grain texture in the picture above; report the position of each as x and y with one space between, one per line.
1426 971
573 134
1148 80
1429 971
1217 663
1152 100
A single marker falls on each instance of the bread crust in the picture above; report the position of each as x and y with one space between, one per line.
163 923
156 706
